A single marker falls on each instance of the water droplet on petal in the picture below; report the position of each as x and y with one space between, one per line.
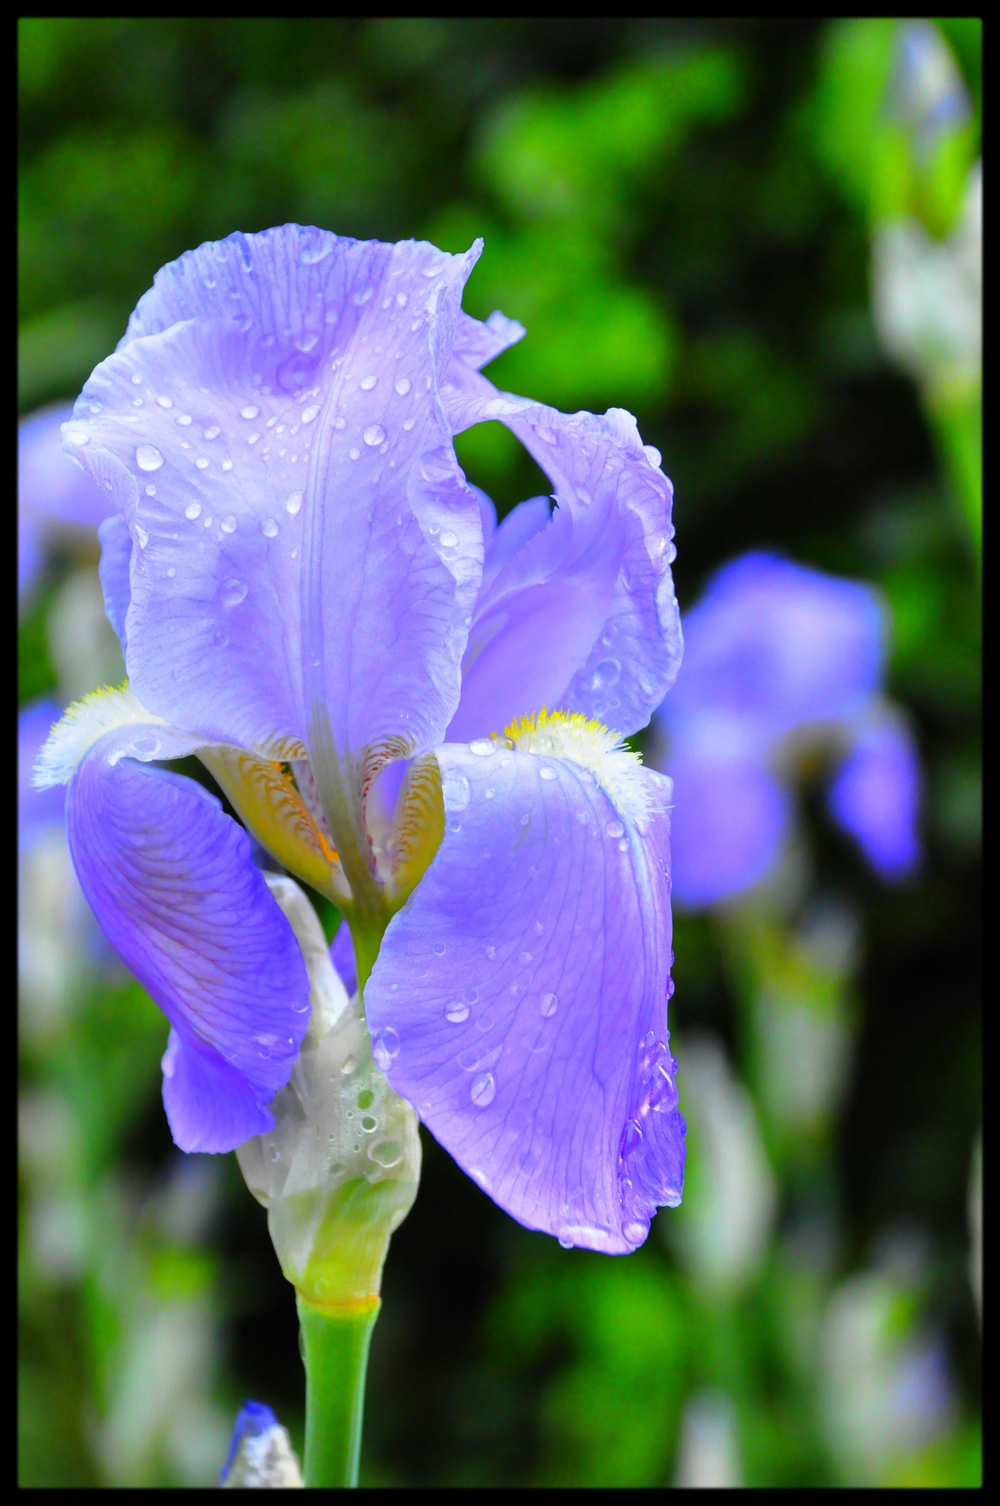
308 414
623 845
293 502
367 383
349 1065
269 528
546 772
403 386
165 402
652 454
213 432
615 829
483 747
439 949
449 539
374 434
386 1153
567 1244
136 378
221 639
201 463
634 1233
457 1013
339 423
355 454
408 423
457 791
193 510
608 672
249 412
227 465
631 1139
385 1047
228 525
362 296
150 491
148 458
548 1004
483 1090
184 418
141 535
232 592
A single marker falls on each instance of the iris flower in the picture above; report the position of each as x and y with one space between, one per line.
782 661
415 710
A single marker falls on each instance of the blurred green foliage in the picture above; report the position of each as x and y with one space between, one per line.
679 212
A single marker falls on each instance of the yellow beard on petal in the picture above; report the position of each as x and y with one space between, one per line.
594 747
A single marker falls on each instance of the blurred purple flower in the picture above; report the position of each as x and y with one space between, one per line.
777 658
53 494
302 578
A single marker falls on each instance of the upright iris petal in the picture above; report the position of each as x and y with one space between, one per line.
294 467
52 492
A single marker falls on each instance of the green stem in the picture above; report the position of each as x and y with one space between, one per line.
335 1352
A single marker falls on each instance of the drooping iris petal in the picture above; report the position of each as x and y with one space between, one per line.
779 645
116 558
519 999
728 821
876 797
170 879
611 637
51 490
302 533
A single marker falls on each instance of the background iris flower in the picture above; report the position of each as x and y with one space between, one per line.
782 663
312 598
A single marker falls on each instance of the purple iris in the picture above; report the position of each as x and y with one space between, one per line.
782 661
52 494
414 709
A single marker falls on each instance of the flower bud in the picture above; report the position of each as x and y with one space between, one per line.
339 1171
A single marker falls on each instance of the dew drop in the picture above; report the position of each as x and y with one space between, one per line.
449 539
193 510
165 402
221 640
374 434
631 1139
623 845
386 1153
150 491
385 1046
491 952
489 794
525 818
367 383
652 454
148 458
228 525
355 454
339 423
269 528
171 573
369 1124
184 418
483 747
232 592
408 423
361 296
227 465
457 791
548 1004
141 535
403 386
293 502
439 948
525 958
483 1090
567 1244
615 829
249 412
308 414
401 300
608 672
457 1013
545 772
634 1233
136 378
201 463
349 1065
